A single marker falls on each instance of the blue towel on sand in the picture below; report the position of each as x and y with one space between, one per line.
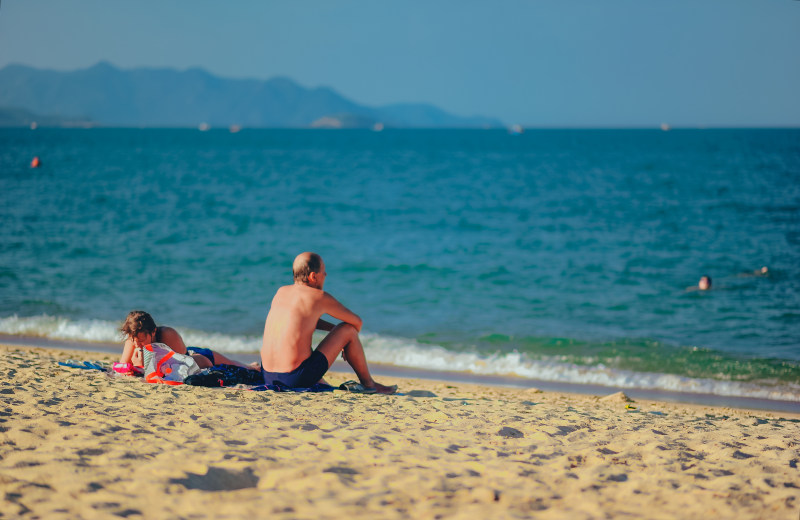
225 375
222 375
86 365
280 387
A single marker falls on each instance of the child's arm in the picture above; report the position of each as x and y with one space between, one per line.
127 351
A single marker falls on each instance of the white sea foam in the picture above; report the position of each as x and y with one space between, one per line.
55 327
409 353
221 342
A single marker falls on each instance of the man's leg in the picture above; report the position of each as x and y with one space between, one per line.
345 337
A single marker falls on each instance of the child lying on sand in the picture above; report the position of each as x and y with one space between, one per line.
140 329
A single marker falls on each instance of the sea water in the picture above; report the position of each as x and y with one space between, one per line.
561 255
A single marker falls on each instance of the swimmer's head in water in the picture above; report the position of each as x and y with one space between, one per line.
304 265
138 322
705 283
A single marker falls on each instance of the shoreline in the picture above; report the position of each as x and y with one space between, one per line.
381 369
80 444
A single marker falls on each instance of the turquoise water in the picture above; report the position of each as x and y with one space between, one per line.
556 254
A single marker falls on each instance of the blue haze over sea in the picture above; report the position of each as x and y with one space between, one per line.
556 254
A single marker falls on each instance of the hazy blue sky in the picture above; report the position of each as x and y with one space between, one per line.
535 62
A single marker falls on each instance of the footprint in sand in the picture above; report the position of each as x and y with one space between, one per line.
510 433
218 479
344 473
420 393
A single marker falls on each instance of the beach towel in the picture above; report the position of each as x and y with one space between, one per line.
164 365
225 375
85 365
280 387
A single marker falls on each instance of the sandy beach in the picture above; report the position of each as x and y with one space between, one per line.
80 444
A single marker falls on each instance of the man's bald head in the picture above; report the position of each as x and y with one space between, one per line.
305 264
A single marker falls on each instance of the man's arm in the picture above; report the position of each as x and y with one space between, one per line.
332 307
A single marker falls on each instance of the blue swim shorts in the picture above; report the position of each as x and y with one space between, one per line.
306 375
205 352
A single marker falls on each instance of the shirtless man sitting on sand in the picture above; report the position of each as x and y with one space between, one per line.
295 313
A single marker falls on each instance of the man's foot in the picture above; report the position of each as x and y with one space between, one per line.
382 389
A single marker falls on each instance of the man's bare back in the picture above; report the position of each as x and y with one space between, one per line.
294 314
293 317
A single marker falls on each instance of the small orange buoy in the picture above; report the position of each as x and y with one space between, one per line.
35 163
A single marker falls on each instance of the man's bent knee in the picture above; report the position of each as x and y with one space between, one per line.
337 340
345 328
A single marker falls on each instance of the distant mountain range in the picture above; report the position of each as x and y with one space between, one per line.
108 96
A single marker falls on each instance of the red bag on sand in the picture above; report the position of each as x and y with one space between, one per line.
127 369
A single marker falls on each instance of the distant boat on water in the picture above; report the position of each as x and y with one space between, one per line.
234 129
377 127
665 127
516 130
203 127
